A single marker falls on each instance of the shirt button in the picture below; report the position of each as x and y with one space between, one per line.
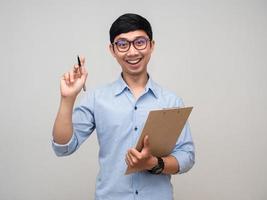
135 107
135 128
136 192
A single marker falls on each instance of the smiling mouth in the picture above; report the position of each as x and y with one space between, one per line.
134 62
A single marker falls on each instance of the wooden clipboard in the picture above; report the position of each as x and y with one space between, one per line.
163 128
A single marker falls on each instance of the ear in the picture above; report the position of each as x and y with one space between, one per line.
152 45
111 49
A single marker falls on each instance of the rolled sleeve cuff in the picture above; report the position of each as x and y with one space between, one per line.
65 149
185 161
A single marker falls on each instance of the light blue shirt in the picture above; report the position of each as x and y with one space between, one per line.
118 119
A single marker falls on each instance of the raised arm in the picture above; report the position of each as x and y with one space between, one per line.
71 84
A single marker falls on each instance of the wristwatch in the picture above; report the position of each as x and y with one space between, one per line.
157 169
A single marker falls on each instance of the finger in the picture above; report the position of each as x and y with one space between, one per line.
82 59
83 73
67 78
146 142
135 154
76 68
129 160
133 159
72 76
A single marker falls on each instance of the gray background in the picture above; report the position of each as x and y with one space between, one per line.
211 53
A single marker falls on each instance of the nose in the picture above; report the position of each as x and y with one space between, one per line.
132 51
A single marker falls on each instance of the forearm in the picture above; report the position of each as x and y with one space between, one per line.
63 129
171 165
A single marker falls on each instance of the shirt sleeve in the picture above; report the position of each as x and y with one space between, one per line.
83 125
184 150
65 149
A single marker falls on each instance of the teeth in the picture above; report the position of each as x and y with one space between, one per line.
133 61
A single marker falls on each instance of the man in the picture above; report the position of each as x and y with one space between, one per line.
118 112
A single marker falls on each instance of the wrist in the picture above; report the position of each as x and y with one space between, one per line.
69 95
67 104
158 168
67 100
153 161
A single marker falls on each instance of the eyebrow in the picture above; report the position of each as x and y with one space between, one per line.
122 38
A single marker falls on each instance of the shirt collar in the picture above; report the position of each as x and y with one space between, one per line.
121 85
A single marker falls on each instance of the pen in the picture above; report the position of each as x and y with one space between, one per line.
79 63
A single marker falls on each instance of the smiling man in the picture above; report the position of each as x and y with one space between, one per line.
118 112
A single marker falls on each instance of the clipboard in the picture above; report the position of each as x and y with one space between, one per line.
163 128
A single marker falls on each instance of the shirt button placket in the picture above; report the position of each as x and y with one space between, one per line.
135 128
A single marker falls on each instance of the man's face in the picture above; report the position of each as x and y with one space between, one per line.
135 59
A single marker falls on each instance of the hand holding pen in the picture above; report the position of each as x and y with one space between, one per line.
80 65
74 80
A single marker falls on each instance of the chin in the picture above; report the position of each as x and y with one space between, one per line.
137 71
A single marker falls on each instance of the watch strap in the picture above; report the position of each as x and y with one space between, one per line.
157 169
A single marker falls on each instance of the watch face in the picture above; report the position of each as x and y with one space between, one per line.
158 171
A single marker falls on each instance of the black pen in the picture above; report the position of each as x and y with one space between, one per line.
79 63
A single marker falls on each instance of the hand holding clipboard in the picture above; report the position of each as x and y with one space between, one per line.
163 128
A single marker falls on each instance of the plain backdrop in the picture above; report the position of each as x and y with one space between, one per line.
211 53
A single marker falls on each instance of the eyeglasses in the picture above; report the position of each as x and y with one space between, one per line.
124 45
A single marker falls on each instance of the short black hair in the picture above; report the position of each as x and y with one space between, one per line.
129 22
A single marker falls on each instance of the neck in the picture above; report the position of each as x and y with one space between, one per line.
136 83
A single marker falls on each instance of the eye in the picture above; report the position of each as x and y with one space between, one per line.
122 44
140 41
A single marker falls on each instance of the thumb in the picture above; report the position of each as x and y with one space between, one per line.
84 74
146 142
82 59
